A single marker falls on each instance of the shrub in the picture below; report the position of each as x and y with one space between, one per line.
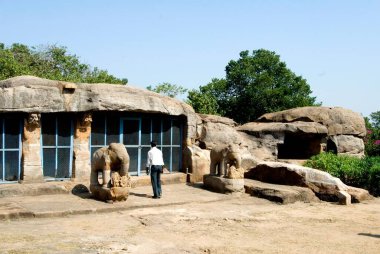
362 173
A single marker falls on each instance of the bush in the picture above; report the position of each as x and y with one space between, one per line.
362 173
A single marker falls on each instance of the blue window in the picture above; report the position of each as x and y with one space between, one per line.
57 142
136 132
10 148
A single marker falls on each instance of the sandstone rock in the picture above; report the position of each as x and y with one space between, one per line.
223 185
293 127
339 121
235 173
350 145
197 162
324 185
279 193
344 198
28 94
216 131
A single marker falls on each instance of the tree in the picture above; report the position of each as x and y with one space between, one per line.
372 139
206 100
168 89
257 84
375 118
51 62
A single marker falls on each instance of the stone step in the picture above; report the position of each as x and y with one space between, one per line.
66 187
283 194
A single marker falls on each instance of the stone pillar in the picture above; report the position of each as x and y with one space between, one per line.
82 153
31 150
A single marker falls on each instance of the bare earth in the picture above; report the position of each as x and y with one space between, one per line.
241 225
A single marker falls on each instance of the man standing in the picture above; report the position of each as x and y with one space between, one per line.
154 165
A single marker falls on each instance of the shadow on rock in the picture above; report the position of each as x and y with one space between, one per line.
81 191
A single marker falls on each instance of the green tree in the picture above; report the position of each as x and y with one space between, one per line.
375 118
51 62
372 139
207 99
168 89
257 84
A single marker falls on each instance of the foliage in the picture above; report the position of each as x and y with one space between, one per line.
375 117
207 99
363 173
168 89
51 62
256 84
372 139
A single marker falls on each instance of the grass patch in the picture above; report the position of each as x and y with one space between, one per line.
363 173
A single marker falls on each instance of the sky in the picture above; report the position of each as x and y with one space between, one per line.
334 45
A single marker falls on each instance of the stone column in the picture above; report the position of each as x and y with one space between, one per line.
31 150
82 153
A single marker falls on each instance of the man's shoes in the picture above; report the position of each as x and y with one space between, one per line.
155 197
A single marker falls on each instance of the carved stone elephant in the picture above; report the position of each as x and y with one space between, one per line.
221 156
114 157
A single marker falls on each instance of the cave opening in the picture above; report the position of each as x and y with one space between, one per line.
299 147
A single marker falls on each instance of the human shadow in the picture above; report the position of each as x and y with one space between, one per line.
370 235
141 195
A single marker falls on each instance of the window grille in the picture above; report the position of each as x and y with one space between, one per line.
57 149
10 148
135 133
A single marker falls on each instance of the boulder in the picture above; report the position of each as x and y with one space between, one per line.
293 127
217 130
325 186
222 184
283 194
350 145
338 121
197 162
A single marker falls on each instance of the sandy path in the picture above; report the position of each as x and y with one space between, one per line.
242 225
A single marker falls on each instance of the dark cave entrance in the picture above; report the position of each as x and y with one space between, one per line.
299 147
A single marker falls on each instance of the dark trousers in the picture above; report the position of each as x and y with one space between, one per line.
155 178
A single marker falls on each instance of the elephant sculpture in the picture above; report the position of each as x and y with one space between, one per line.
113 162
221 156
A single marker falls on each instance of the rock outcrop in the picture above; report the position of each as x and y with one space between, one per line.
345 128
325 186
28 94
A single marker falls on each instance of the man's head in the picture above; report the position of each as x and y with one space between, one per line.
153 144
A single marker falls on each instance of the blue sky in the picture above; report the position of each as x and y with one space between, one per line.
334 45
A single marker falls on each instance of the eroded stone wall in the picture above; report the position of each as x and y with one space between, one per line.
81 147
31 149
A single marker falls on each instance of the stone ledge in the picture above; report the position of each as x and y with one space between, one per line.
283 194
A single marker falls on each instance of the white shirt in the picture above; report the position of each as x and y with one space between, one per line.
154 157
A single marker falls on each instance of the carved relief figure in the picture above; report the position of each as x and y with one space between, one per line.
86 120
31 127
221 156
113 162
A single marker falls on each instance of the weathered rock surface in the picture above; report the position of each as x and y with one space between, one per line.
350 145
339 121
222 184
325 186
279 193
216 130
197 162
28 94
293 127
213 131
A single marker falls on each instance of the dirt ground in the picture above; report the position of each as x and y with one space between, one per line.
241 225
